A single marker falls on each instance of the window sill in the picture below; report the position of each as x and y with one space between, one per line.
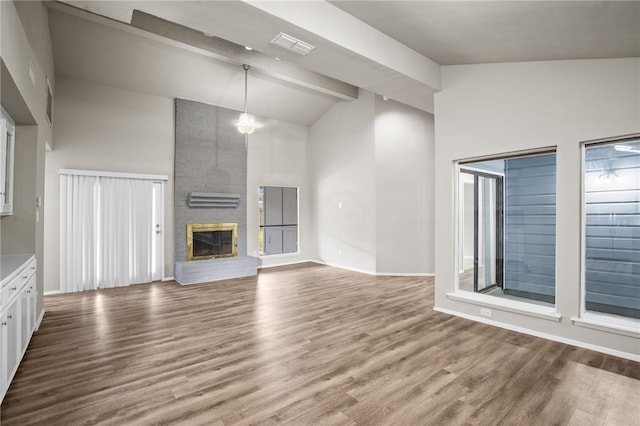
514 306
609 323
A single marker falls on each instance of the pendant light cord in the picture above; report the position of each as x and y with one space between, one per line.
246 69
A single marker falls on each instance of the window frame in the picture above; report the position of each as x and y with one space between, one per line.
261 253
602 321
521 306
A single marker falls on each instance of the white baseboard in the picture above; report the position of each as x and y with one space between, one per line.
405 274
380 274
39 320
275 265
362 271
597 348
51 293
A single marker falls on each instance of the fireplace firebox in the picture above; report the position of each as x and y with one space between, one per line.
211 240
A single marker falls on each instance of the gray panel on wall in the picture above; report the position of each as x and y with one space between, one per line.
530 224
272 205
210 157
289 206
290 239
273 240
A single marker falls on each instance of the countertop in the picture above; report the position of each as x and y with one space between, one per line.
9 264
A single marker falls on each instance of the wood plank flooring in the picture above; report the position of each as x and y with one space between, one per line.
302 345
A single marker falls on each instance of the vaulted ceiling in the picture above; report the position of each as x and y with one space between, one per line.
195 49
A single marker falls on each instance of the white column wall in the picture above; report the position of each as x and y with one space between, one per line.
371 164
342 167
404 146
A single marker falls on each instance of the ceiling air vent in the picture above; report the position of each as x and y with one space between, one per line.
292 44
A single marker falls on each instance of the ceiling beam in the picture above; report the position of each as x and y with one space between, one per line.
169 33
338 27
227 51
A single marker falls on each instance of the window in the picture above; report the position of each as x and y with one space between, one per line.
278 220
507 227
612 227
7 146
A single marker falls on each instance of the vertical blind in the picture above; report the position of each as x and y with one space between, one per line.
106 231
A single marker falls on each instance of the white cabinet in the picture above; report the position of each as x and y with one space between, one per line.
7 149
11 330
18 298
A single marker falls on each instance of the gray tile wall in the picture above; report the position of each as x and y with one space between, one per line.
210 157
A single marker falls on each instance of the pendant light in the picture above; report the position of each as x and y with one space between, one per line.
246 124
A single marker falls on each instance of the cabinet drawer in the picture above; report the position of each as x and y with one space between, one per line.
19 280
10 290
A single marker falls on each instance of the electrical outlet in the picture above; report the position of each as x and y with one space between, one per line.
485 312
339 252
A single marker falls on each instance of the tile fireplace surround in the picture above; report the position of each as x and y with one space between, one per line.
210 157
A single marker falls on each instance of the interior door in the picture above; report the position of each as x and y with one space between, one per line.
157 248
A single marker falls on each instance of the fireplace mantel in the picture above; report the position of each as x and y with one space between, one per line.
213 200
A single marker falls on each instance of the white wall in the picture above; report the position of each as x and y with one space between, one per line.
107 129
492 109
24 39
342 165
277 156
374 158
404 155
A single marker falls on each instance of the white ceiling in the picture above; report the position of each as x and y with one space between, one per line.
472 32
392 48
89 51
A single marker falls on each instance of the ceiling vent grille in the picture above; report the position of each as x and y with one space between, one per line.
292 44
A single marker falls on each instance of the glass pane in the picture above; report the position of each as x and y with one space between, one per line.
530 227
612 228
212 243
507 218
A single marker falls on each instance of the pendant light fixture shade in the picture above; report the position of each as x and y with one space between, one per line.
246 124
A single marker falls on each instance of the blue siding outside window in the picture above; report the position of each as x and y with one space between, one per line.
612 228
530 226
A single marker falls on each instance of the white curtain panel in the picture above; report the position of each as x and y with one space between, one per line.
106 232
77 233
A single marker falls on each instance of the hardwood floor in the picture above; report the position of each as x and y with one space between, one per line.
302 345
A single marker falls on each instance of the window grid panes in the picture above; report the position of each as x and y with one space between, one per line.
612 228
278 213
